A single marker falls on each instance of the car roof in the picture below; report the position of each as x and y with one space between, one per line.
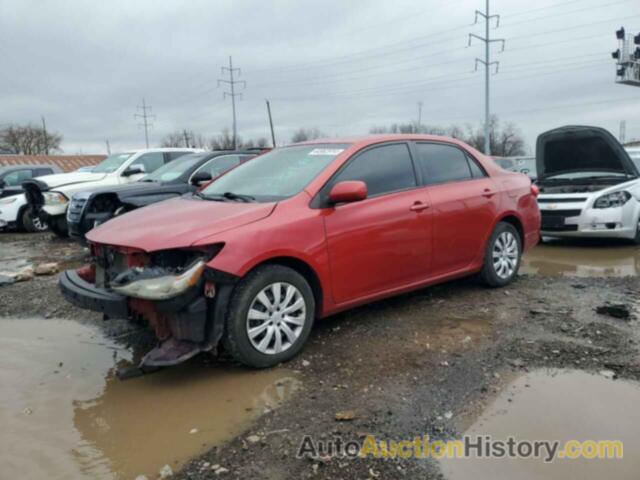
365 140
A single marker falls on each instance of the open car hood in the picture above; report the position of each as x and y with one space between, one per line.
176 223
580 149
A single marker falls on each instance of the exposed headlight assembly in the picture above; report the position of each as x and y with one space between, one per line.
54 198
151 284
615 199
8 200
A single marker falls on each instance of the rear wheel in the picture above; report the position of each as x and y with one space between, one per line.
31 223
502 256
270 316
636 240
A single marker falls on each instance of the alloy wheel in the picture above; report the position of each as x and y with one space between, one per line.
505 255
38 224
276 318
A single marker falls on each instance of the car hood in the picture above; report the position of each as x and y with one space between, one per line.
177 223
58 180
580 149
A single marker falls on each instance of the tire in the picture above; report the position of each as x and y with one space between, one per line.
253 293
31 224
59 227
636 240
503 269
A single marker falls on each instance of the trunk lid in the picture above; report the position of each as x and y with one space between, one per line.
575 149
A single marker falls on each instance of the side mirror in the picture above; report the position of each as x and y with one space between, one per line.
348 191
133 170
200 177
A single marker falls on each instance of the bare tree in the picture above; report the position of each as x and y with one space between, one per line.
223 141
29 140
506 142
304 134
173 139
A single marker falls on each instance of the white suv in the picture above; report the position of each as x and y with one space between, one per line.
49 196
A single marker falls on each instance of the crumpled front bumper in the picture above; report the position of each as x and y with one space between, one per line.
86 295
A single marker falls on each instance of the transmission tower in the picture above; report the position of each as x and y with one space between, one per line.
145 116
627 58
232 94
487 66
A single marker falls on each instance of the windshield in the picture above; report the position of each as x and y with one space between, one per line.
276 175
111 163
175 168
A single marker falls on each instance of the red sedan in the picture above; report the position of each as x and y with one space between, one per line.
303 232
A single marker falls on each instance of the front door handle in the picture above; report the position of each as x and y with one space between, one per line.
419 206
488 193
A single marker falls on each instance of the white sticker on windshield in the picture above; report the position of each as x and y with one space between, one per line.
326 151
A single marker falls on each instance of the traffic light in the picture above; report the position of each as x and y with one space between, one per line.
620 33
620 71
616 55
636 54
636 39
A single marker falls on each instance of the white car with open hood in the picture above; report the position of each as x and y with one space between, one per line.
589 185
49 196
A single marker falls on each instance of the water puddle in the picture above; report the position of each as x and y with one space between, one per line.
592 259
65 415
558 405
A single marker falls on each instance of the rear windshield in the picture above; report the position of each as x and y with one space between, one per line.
111 163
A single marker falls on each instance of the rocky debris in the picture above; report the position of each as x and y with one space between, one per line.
142 477
6 280
253 438
50 268
345 416
608 373
165 472
193 430
220 470
614 310
20 276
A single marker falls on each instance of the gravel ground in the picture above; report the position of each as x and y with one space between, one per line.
422 363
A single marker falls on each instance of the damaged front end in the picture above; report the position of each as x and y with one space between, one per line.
173 291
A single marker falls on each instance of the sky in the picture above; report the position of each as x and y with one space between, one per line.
342 66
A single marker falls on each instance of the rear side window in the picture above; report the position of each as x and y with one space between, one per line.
16 178
151 161
219 165
442 163
384 169
174 155
476 171
39 172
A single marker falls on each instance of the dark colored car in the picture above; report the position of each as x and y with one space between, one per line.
302 232
11 178
183 175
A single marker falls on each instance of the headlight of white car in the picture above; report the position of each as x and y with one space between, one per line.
54 198
8 200
615 199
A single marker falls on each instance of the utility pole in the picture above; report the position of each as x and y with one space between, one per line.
419 115
46 137
623 132
145 119
487 67
273 135
108 147
232 85
186 138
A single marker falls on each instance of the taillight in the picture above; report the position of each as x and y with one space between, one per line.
535 191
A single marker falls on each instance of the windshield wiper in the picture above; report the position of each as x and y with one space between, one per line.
226 196
238 196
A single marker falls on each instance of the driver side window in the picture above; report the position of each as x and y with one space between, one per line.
16 178
219 165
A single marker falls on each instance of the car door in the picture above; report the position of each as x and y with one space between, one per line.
464 204
380 243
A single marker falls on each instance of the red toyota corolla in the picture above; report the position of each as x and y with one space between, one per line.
303 232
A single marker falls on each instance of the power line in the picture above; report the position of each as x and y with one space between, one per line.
232 94
487 40
145 116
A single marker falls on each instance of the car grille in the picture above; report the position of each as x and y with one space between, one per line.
561 200
554 220
74 212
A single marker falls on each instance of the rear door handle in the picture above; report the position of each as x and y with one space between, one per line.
488 193
419 206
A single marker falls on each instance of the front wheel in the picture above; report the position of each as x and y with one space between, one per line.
636 240
59 227
270 316
31 223
502 256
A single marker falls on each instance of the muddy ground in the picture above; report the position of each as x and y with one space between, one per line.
422 363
